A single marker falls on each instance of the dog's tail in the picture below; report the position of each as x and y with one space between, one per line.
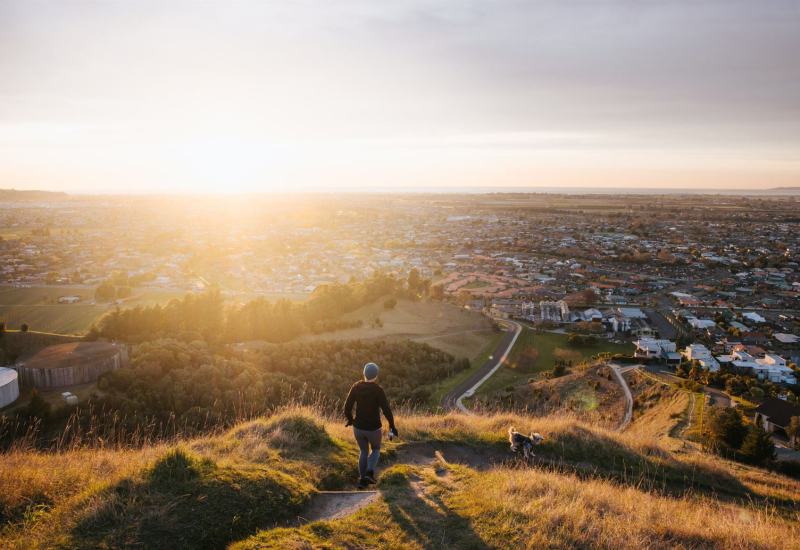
511 430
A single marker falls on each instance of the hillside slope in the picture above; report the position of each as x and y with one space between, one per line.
588 487
444 326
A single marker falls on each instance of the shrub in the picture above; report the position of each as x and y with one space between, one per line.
789 468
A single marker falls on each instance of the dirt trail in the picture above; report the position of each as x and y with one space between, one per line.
628 396
333 505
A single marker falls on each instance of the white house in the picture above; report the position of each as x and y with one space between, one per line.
771 367
651 348
701 354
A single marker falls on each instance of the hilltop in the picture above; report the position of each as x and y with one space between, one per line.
246 487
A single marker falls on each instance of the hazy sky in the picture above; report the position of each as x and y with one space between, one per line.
233 95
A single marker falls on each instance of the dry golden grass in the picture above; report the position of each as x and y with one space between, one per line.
457 507
590 487
659 410
408 319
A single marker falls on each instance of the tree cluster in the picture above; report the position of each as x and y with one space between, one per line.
195 385
209 317
728 434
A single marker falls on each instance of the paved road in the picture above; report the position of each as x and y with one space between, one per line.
665 329
452 399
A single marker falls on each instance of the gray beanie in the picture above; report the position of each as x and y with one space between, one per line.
370 371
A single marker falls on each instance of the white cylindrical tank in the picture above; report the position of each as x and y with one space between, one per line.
9 386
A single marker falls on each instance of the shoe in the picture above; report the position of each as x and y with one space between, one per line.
370 478
363 484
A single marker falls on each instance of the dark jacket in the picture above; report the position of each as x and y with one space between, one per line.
369 399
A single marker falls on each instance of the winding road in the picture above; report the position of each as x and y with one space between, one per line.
453 398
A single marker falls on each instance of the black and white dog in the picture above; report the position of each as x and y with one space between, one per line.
518 440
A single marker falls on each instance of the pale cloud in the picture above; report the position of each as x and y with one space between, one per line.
188 95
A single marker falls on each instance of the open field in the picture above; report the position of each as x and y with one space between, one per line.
546 343
59 319
408 319
28 305
34 295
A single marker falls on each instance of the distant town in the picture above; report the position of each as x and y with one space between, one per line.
707 286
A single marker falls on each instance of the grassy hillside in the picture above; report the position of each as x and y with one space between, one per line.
546 343
589 392
435 323
588 487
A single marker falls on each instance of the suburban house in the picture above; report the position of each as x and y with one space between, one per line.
771 367
777 413
701 354
664 350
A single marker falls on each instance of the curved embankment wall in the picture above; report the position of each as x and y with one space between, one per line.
70 375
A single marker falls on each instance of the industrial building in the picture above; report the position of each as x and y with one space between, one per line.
554 312
9 387
68 364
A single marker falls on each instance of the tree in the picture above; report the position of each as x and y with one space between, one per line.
793 429
463 297
725 427
24 327
124 292
589 296
758 447
414 280
105 292
528 358
437 292
119 278
390 303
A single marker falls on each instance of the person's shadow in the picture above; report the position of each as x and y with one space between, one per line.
428 520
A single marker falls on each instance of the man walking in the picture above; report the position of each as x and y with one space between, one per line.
369 399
